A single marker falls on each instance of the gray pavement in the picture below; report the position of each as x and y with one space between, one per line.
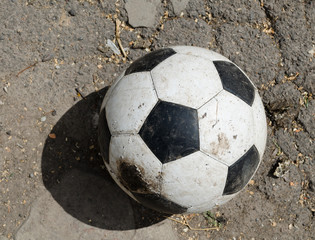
48 220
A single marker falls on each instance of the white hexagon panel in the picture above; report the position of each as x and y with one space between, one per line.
134 165
196 178
226 128
186 80
200 52
110 90
132 99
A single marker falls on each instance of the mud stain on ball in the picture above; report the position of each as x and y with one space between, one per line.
132 177
146 191
220 146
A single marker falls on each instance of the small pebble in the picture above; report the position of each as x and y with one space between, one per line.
101 49
275 152
54 113
31 175
8 132
1 37
1 103
47 57
80 38
57 67
72 12
52 135
5 89
43 119
19 145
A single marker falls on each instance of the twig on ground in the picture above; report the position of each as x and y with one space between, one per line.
33 65
117 33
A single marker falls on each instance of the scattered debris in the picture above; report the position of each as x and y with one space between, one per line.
312 51
53 112
112 46
251 182
282 168
101 49
52 135
186 223
291 77
140 43
72 12
212 219
19 145
47 57
79 93
118 23
273 223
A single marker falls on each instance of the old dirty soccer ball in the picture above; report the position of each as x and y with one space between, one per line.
182 129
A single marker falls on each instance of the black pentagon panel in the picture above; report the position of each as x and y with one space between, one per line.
158 203
240 172
150 60
171 131
235 82
104 136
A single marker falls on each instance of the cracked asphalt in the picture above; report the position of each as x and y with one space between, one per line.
55 67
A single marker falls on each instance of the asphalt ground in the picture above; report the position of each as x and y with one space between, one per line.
55 65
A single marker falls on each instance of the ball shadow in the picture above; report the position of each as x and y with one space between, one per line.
74 173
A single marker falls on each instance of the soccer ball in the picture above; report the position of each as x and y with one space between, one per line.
182 129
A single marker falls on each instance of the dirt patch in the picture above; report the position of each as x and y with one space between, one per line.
221 145
132 177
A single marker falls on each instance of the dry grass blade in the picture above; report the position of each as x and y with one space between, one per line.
118 23
186 223
33 65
